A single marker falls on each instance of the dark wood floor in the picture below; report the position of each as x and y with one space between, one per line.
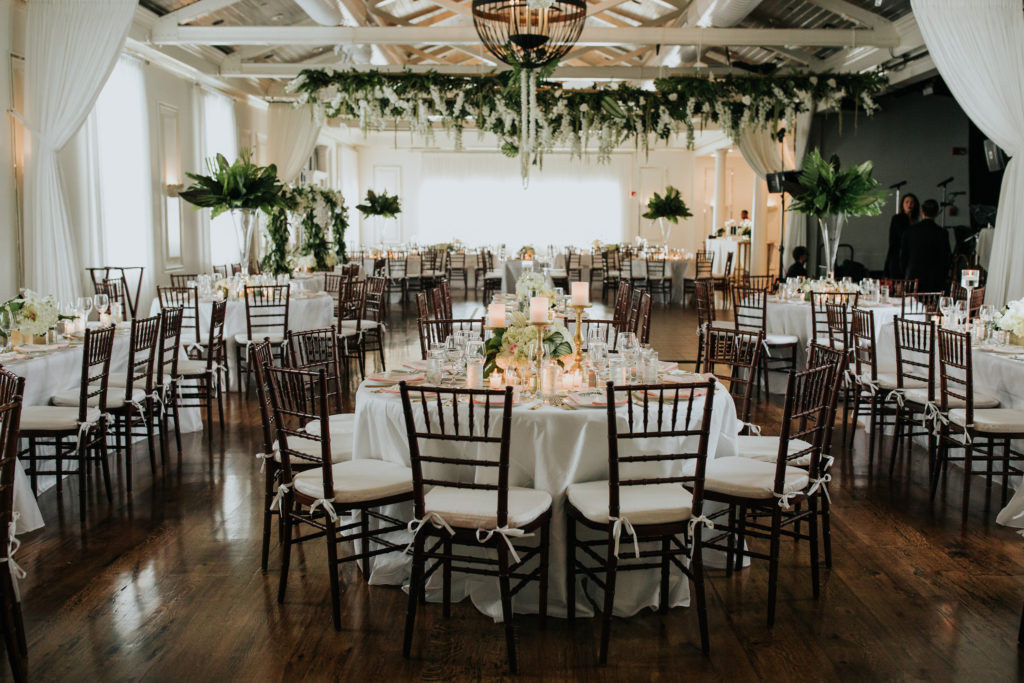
166 585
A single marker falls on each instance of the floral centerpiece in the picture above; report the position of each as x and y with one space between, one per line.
532 284
515 346
527 252
831 194
809 287
1012 318
32 314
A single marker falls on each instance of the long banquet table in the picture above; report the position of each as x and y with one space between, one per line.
48 373
551 448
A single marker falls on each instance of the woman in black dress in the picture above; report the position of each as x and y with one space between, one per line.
910 213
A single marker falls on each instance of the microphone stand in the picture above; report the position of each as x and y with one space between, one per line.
943 185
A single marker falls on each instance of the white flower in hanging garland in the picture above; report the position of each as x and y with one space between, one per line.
555 117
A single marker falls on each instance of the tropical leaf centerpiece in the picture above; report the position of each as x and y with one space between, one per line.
384 205
671 207
828 190
239 185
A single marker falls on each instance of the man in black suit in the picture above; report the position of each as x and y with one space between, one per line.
925 254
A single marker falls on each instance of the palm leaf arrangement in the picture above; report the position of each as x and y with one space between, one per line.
239 185
384 205
830 191
671 207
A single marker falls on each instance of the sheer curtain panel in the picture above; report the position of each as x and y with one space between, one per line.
71 48
978 48
291 135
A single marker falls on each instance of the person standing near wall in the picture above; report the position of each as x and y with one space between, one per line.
910 214
925 254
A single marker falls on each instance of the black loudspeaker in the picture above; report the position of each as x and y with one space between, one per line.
995 157
787 181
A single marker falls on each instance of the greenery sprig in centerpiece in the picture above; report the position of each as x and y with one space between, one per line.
239 185
515 346
671 207
383 204
829 191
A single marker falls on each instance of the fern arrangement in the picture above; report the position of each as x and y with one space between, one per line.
671 207
240 185
384 205
830 191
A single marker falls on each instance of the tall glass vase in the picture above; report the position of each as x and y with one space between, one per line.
666 231
247 225
831 230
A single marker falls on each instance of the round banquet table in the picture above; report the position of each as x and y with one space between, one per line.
551 448
50 372
306 311
794 318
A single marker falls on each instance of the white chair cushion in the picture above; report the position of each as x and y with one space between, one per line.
992 420
357 481
493 275
650 504
557 272
341 448
115 397
614 274
53 418
750 478
766 449
352 326
889 380
920 396
477 509
275 338
120 379
191 368
780 339
340 423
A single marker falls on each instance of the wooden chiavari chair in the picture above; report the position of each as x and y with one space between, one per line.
221 271
199 381
921 305
266 317
187 299
597 266
457 268
739 353
164 373
641 323
330 500
976 429
314 350
12 391
723 282
755 490
182 279
649 504
612 273
104 273
819 315
915 383
977 297
704 293
659 280
872 386
114 289
462 456
423 306
437 330
236 268
703 263
77 432
750 314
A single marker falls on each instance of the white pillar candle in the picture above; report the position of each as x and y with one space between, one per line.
496 380
580 293
549 380
475 374
496 315
538 309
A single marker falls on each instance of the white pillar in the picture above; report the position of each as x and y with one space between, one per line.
718 214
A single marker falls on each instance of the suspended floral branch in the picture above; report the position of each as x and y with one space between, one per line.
577 119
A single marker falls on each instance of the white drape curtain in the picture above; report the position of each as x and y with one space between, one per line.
71 48
291 135
220 136
765 155
978 48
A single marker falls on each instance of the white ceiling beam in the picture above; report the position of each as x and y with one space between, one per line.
854 13
466 35
807 59
233 69
194 11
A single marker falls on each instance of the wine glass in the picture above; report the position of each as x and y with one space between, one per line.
452 354
945 306
102 302
475 349
82 307
988 314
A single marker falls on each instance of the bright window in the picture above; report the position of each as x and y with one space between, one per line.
220 136
479 199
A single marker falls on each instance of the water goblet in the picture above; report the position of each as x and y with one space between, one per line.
945 306
82 307
102 303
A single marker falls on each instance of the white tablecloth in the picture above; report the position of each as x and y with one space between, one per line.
720 247
551 448
794 318
312 312
48 374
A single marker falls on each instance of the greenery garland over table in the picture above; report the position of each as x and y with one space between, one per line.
562 117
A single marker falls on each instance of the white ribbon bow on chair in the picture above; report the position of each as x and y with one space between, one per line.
435 519
84 427
328 506
195 346
692 527
618 524
820 483
753 428
13 544
484 535
275 449
278 501
785 499
895 395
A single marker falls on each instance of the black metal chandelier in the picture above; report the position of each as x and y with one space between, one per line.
529 33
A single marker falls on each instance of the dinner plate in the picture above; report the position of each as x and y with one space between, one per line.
682 376
418 365
396 376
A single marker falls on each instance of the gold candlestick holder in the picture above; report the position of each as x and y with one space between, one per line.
577 340
537 373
